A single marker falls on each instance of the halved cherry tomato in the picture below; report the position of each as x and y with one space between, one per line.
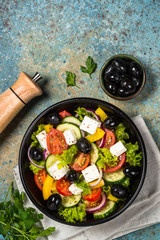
110 139
90 204
40 178
94 196
56 142
62 186
121 158
81 162
64 114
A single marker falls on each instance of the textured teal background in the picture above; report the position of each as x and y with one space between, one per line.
54 36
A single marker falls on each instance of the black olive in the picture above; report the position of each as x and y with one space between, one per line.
123 83
110 122
111 87
54 119
119 65
130 87
108 69
36 153
131 171
72 175
119 191
113 77
135 69
121 91
54 201
84 145
136 81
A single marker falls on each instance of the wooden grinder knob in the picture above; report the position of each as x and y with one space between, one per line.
16 97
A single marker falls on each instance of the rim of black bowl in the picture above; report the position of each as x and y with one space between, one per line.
105 104
117 97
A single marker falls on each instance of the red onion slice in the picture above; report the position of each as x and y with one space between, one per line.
30 159
99 207
46 153
98 180
95 115
82 133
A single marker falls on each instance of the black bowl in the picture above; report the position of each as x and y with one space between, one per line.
35 195
128 59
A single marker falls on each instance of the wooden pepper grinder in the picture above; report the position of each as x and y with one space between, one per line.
17 96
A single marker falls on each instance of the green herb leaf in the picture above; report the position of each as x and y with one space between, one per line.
35 142
70 79
91 66
133 157
81 111
106 189
83 185
73 214
67 157
126 182
106 158
120 133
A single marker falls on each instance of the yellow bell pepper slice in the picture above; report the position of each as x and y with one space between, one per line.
101 113
96 136
100 184
112 198
49 187
48 127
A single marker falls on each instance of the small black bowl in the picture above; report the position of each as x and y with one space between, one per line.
35 195
113 75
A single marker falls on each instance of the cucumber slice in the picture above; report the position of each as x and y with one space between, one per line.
71 119
114 177
70 201
65 126
50 161
106 210
94 153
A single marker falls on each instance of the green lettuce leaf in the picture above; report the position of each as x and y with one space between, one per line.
67 157
125 182
35 142
105 157
81 111
35 169
120 133
83 185
106 189
73 214
133 157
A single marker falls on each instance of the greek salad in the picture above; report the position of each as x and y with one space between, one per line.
83 163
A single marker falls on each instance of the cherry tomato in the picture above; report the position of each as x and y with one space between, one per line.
94 196
62 186
121 158
56 142
64 114
40 178
110 139
81 162
90 204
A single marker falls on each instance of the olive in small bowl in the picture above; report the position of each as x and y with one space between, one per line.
122 77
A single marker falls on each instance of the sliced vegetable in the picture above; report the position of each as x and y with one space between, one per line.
106 159
114 177
112 198
99 207
96 182
64 114
91 111
56 142
94 153
48 127
95 195
36 164
101 114
65 126
121 159
49 162
71 119
99 185
46 153
96 136
106 210
40 178
70 201
49 187
62 186
81 162
110 139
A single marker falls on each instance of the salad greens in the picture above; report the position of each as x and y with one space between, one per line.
132 157
120 133
81 111
106 157
90 66
83 185
71 79
35 169
67 157
73 214
18 222
35 142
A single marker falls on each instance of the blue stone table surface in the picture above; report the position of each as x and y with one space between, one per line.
54 36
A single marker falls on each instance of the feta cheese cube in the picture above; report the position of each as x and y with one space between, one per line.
74 189
89 125
91 173
57 173
70 136
42 139
117 149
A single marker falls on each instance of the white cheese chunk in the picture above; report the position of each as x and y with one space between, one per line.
57 173
117 149
74 189
89 125
42 139
70 136
91 173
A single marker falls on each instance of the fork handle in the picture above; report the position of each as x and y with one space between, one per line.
16 97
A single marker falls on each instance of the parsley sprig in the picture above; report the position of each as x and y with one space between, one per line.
18 222
71 79
90 66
